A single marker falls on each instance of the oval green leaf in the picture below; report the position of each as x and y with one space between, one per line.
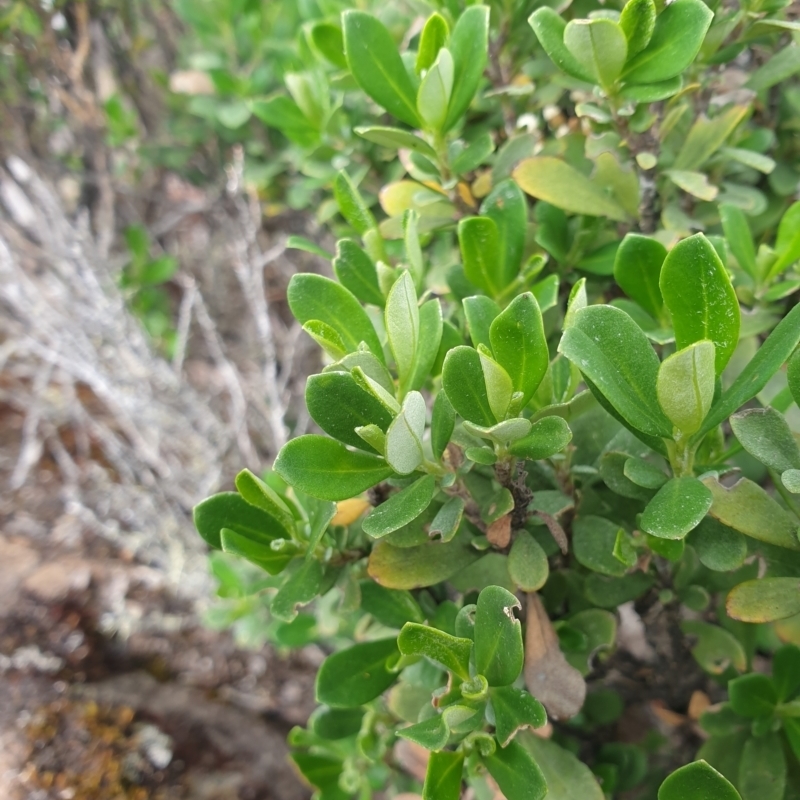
400 508
498 637
313 297
377 67
697 781
326 469
625 372
697 290
678 508
357 675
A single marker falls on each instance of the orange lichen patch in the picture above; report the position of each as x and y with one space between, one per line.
88 752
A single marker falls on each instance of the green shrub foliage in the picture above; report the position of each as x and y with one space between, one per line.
561 375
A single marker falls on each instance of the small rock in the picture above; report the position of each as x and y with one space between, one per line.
57 580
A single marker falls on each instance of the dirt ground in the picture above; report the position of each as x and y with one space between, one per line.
165 709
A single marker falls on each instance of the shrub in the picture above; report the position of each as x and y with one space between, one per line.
545 366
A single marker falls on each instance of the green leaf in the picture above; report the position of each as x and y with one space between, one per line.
463 381
377 67
390 607
625 373
600 46
498 637
396 139
469 44
358 674
283 113
499 388
356 272
506 205
320 514
516 773
638 20
328 40
762 770
678 508
697 781
754 377
718 547
527 563
678 34
697 290
435 90
593 540
257 550
686 385
300 588
787 243
433 38
351 204
717 649
449 651
637 268
549 29
566 776
258 494
326 469
443 776
321 771
747 508
793 376
376 389
473 156
738 237
443 421
369 365
326 337
605 592
404 437
519 344
336 723
432 733
786 672
339 405
764 600
480 312
556 182
764 433
781 66
402 325
313 297
546 292
643 473
229 510
400 509
651 93
706 137
548 436
430 338
515 709
791 480
480 252
695 183
447 520
423 565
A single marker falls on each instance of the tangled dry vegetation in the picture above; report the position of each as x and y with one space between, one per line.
106 445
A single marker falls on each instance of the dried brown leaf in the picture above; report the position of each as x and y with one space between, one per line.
550 678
